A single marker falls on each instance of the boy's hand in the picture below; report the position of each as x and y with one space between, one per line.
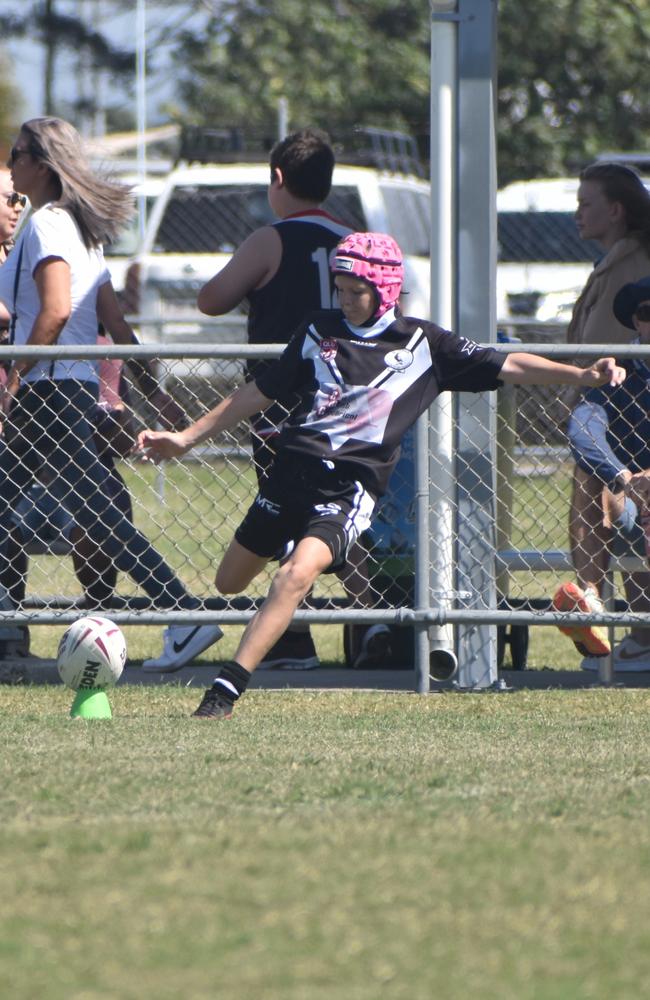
157 445
605 371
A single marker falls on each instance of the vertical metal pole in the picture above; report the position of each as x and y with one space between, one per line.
141 109
283 118
476 451
422 559
444 31
606 663
84 76
141 119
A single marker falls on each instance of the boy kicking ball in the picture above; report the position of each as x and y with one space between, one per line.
363 373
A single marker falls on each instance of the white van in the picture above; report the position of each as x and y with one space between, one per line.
205 211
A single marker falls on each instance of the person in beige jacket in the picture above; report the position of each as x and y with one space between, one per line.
614 210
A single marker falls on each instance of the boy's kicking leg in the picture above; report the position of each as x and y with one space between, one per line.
291 583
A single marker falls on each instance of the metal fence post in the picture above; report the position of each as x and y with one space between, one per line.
476 321
440 542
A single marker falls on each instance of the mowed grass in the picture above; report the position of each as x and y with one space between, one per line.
337 846
190 510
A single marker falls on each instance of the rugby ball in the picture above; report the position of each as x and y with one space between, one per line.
92 654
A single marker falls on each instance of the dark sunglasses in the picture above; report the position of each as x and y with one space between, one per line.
14 199
15 153
643 313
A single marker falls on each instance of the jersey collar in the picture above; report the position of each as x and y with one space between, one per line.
367 332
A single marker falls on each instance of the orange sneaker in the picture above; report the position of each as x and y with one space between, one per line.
589 640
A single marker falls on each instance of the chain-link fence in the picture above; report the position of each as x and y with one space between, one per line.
57 561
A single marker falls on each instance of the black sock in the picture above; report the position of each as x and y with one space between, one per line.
232 680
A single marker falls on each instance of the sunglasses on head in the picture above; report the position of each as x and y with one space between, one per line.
14 199
643 313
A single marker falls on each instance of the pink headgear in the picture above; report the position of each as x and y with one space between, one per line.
375 258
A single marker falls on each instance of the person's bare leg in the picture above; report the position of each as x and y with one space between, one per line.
95 571
365 645
588 536
291 583
354 576
637 592
237 568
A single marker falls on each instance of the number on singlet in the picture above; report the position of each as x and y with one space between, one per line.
328 300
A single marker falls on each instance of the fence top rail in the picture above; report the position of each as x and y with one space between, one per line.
196 350
96 351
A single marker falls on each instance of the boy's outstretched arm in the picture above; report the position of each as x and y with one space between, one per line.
243 402
531 369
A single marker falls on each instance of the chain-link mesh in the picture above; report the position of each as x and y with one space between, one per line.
187 510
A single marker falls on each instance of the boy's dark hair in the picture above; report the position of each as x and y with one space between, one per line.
306 160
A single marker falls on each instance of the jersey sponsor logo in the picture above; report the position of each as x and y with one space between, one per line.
467 346
399 360
267 505
329 401
328 349
364 343
324 509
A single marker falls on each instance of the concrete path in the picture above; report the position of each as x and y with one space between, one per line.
32 670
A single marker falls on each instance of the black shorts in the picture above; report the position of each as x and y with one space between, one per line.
301 499
265 429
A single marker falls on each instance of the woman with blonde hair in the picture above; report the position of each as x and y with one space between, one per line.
56 286
614 210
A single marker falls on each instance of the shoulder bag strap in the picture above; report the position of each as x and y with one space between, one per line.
14 313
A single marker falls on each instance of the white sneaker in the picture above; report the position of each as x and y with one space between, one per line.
629 657
181 645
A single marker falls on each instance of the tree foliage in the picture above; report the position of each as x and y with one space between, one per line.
10 107
571 78
339 63
572 83
572 74
44 22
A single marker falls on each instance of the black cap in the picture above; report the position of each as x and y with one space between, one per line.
629 298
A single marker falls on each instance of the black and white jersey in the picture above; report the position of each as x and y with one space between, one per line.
360 389
303 281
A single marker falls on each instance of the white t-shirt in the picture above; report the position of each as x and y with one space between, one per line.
52 232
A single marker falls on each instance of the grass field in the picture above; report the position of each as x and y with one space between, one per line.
204 502
322 845
336 846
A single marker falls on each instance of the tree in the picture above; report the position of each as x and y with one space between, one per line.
571 78
339 63
572 83
9 108
57 32
571 72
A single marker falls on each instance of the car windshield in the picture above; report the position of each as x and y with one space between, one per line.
217 218
542 236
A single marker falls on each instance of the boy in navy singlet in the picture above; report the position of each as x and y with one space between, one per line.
283 272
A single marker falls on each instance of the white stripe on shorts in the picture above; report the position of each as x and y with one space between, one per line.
359 517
